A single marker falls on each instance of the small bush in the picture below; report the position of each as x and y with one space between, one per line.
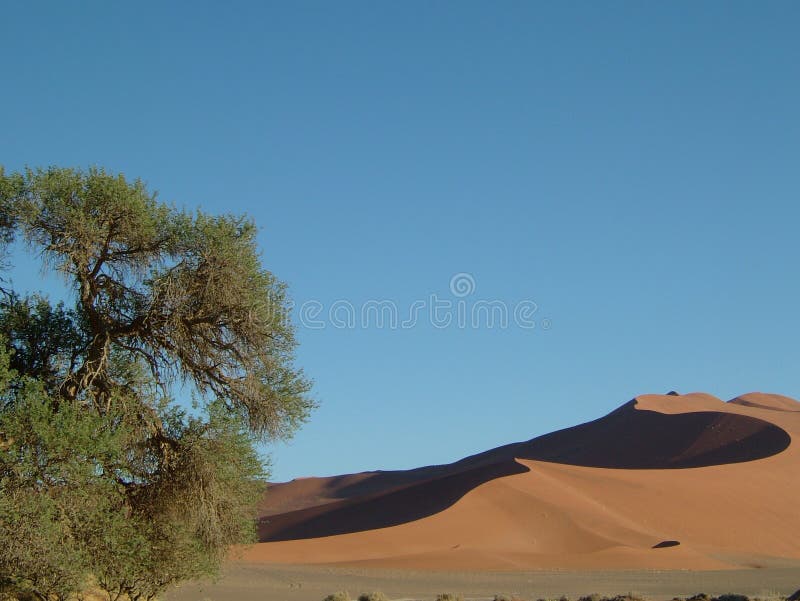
628 597
730 597
340 596
449 597
373 596
506 598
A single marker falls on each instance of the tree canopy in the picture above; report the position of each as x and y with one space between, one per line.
104 478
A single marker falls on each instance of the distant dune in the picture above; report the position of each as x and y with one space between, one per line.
664 481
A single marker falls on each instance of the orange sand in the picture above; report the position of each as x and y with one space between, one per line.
546 504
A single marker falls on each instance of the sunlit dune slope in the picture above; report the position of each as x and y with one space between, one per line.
713 478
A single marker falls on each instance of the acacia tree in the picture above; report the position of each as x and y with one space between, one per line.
161 297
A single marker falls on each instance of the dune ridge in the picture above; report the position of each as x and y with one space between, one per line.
705 476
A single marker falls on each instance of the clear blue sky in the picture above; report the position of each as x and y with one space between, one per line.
632 167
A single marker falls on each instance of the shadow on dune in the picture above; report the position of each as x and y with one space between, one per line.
627 438
382 510
635 439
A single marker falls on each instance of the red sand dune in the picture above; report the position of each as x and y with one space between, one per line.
665 481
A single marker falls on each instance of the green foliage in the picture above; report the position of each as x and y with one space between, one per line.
184 293
373 596
448 597
45 339
54 499
7 374
340 596
9 189
103 478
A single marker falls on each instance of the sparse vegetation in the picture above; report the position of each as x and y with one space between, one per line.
698 597
378 596
598 597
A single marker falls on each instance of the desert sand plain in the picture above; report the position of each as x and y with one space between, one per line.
668 495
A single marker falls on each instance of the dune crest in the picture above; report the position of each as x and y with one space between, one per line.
763 400
664 481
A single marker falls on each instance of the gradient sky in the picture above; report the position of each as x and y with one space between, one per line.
633 168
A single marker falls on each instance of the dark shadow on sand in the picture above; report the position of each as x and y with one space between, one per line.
627 438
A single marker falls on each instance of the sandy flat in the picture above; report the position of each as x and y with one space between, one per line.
263 582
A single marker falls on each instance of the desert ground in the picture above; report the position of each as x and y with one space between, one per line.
262 582
667 495
663 482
